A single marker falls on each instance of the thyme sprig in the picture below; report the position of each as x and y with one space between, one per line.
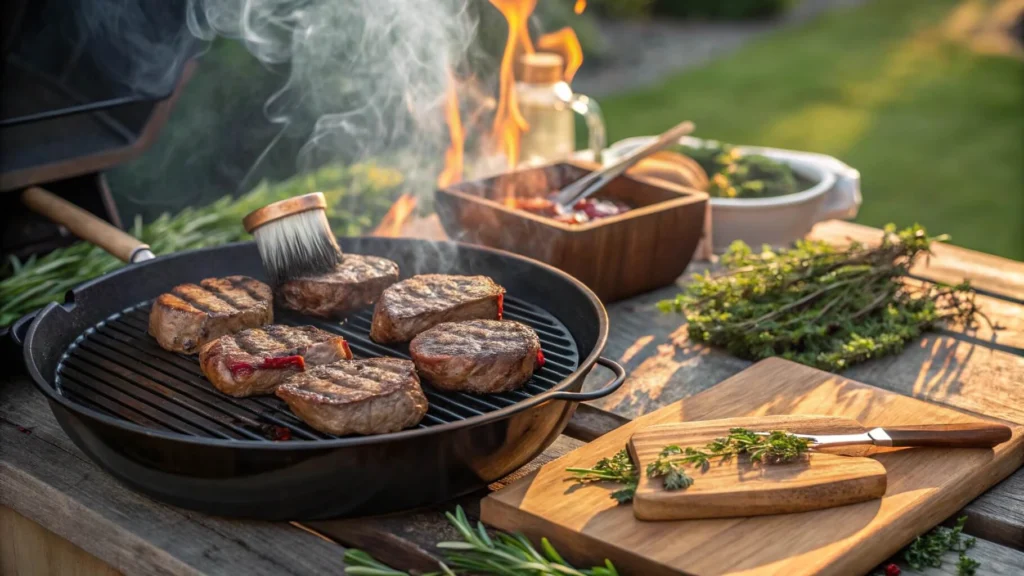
820 305
619 468
480 553
927 550
774 448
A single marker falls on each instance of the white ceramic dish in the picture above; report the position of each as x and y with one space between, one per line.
781 219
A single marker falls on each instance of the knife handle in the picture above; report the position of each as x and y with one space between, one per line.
948 435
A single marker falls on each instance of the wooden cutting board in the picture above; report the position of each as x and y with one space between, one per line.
925 486
736 487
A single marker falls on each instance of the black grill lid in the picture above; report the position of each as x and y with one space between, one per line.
76 97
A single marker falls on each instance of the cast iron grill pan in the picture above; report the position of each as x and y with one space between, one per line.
118 369
149 417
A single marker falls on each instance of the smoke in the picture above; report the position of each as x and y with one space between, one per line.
138 45
367 78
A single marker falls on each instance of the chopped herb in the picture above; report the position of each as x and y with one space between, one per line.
966 566
774 448
927 550
619 469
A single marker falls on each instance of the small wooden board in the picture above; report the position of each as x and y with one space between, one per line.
925 486
736 488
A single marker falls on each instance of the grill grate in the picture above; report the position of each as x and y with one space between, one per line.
117 369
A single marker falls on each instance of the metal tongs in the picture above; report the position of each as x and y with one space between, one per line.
591 183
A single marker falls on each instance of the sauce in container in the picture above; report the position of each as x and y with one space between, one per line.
586 210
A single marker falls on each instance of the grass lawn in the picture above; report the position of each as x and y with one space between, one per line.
936 129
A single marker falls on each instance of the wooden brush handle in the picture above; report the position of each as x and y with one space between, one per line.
949 435
85 225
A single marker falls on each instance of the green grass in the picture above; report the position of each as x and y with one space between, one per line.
936 130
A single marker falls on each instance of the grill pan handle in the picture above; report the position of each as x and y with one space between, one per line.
620 377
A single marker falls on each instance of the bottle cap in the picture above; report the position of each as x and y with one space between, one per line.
541 68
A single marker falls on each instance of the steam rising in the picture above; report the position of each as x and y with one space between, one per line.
368 75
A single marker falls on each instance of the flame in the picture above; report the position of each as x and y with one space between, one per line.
391 225
509 123
453 156
565 43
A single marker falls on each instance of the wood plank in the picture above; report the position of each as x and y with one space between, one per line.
28 549
46 479
925 487
998 515
950 264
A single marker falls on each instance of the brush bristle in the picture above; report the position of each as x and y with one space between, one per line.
298 245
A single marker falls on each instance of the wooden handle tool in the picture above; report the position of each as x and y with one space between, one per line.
971 435
86 226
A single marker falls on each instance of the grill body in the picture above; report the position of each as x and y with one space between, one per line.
149 418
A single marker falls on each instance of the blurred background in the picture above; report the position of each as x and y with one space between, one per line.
924 97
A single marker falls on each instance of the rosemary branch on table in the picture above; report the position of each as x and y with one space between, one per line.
357 197
479 553
820 305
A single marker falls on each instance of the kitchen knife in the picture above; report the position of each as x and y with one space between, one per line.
934 435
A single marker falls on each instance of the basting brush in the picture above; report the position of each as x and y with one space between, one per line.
294 237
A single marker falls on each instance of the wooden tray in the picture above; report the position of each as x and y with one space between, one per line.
617 257
925 486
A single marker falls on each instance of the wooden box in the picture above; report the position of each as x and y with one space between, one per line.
617 257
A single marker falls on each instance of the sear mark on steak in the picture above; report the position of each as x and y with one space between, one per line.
257 360
479 356
355 283
191 315
421 302
372 396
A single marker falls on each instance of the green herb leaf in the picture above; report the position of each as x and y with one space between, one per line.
819 305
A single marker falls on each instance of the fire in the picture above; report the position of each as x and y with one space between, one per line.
508 120
565 43
508 124
391 225
453 156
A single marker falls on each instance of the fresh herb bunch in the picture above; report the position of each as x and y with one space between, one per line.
357 197
774 448
619 468
735 175
820 305
927 550
479 553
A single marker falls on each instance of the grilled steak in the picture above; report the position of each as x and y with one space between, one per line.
480 356
357 282
414 305
191 315
371 396
255 361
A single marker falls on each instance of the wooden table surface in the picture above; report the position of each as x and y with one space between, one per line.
59 513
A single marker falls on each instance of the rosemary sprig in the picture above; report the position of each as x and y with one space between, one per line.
774 448
820 305
619 468
479 553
